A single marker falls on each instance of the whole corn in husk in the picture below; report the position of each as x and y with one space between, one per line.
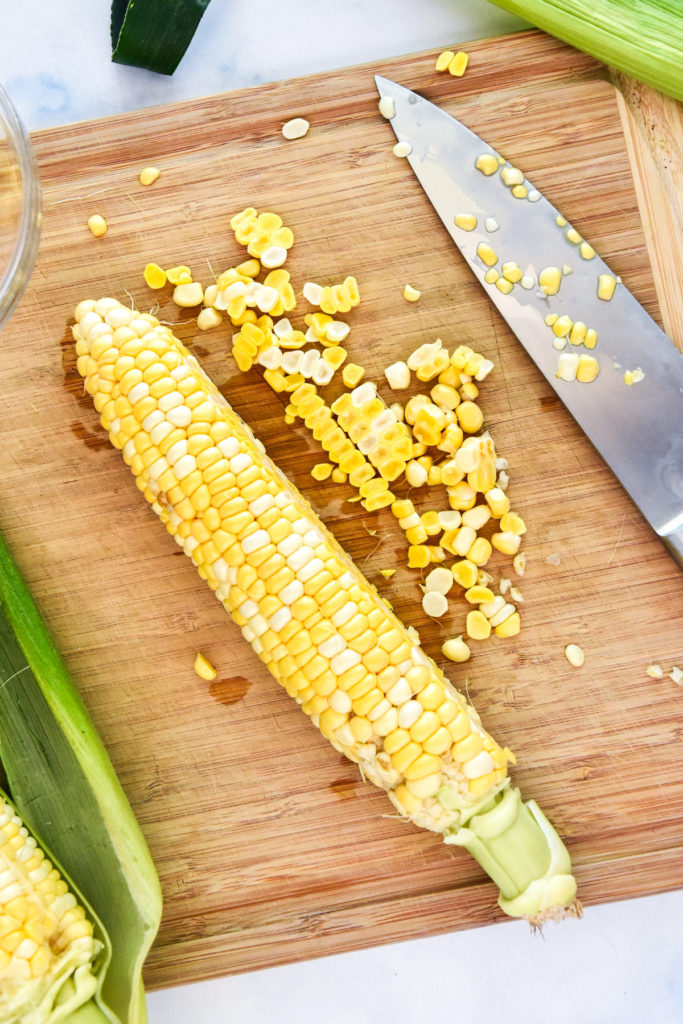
64 787
50 958
306 609
642 38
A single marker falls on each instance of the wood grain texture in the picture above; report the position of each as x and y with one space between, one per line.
269 846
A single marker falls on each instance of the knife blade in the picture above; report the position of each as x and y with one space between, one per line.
637 429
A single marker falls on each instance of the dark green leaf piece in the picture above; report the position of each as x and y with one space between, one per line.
154 34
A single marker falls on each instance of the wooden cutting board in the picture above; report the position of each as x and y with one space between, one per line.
269 846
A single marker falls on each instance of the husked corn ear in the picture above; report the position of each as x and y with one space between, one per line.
308 612
46 941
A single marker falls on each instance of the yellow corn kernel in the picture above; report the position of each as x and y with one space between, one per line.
418 556
335 356
591 338
510 627
154 276
458 65
321 470
588 369
148 175
504 285
402 508
470 417
411 294
587 251
477 594
511 271
465 221
465 573
179 275
352 374
203 667
486 254
512 522
491 275
487 163
477 625
498 501
188 294
520 191
443 60
480 551
455 649
506 542
97 225
461 496
549 280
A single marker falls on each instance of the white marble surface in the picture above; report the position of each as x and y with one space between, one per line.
622 963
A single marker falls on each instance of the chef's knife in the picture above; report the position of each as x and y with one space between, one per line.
638 429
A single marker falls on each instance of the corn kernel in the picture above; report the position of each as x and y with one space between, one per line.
321 470
411 294
154 276
148 175
455 649
477 625
418 556
203 667
510 627
574 655
458 64
506 542
352 374
487 163
443 60
97 225
465 221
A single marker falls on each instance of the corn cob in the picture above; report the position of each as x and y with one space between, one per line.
308 612
47 945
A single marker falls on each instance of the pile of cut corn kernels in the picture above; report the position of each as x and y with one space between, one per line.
432 443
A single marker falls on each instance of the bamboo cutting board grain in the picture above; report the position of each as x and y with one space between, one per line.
269 846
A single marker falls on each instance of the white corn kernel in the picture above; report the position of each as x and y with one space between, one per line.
312 293
435 603
398 376
439 580
295 128
409 714
402 149
188 295
574 655
387 107
274 256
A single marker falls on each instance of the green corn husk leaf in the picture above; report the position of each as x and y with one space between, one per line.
642 38
154 34
64 786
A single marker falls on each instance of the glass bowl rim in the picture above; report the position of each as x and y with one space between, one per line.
22 260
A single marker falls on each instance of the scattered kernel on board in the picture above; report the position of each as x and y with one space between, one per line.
654 671
154 276
97 225
443 60
458 65
402 149
574 655
148 175
203 667
295 128
411 294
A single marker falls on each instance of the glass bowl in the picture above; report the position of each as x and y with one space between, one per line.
20 208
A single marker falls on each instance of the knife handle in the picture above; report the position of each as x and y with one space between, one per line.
674 545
